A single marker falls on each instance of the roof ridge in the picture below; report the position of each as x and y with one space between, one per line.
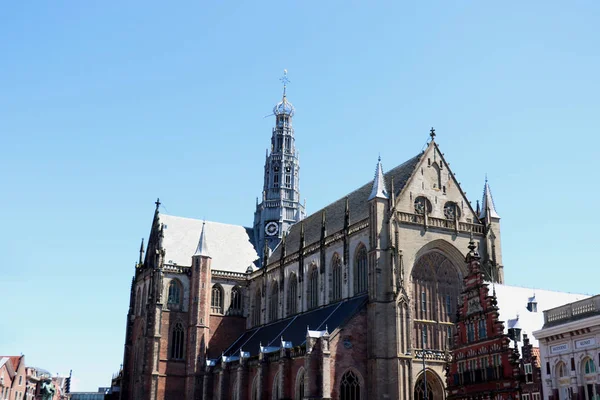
203 221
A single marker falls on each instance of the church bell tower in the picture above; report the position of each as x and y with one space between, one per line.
280 206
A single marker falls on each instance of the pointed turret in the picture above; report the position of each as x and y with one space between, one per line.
379 190
202 249
487 203
141 260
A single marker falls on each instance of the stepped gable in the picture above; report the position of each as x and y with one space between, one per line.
358 205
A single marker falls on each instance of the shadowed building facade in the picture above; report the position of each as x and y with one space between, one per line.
336 304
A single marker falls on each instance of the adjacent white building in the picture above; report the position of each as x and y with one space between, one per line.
570 350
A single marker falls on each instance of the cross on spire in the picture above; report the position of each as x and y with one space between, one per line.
284 79
432 133
157 202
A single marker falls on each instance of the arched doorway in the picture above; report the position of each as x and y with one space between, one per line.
435 389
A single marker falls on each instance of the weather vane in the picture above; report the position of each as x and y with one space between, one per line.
285 80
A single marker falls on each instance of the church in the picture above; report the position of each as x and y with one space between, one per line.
357 300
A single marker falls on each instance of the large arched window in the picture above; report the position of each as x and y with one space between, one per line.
177 344
360 270
560 370
174 297
300 385
436 285
350 386
292 296
274 301
216 299
257 308
336 278
588 366
313 288
236 307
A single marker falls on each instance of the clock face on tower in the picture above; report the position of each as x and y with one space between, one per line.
271 228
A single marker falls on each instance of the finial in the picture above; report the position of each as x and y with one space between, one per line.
141 251
432 133
157 202
284 79
379 158
486 177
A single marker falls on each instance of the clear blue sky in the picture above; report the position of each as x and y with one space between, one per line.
105 106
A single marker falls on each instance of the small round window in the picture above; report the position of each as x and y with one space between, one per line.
422 204
451 210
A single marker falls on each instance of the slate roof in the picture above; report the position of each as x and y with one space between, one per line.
334 212
512 301
293 329
231 247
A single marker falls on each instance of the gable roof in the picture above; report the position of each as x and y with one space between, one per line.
512 301
231 247
334 212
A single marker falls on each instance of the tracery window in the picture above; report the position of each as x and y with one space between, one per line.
422 204
360 270
274 301
350 386
177 337
451 210
216 299
257 308
292 297
436 284
236 301
313 288
336 281
174 297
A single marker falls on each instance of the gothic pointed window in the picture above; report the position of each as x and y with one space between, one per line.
422 204
276 392
236 307
174 297
216 299
138 302
274 301
313 288
257 308
292 296
177 336
350 386
300 385
336 277
360 270
420 390
144 299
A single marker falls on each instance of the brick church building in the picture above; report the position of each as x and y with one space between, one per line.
337 304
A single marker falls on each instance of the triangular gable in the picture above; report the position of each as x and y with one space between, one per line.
424 182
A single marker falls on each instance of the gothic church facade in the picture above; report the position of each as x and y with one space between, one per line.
338 304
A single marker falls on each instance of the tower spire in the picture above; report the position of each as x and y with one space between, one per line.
202 249
379 190
281 180
487 203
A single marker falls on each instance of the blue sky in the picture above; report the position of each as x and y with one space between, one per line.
105 106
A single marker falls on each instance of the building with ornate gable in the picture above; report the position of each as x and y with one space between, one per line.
336 304
483 365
